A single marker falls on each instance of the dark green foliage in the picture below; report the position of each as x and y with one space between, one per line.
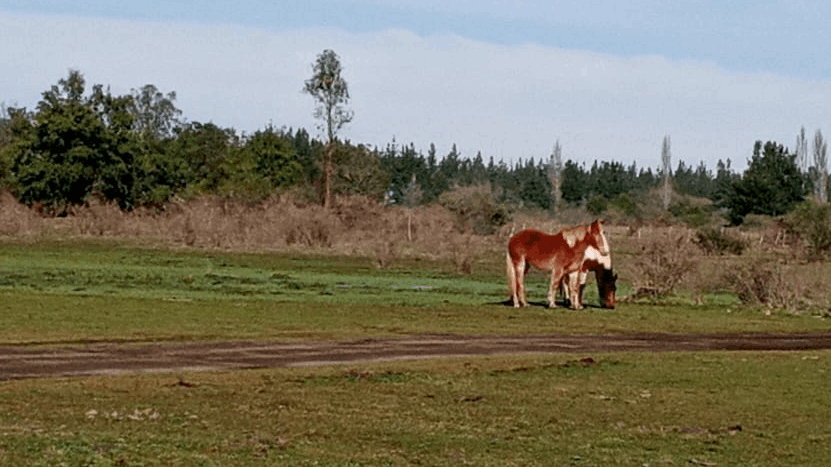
718 242
202 150
535 185
626 204
694 215
134 150
597 205
575 180
75 148
699 183
771 185
273 157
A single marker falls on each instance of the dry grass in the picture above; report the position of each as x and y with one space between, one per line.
356 226
651 256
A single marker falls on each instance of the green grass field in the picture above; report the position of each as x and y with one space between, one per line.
715 408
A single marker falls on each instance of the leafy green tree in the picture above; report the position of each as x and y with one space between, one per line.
331 93
15 126
154 113
201 150
76 147
575 181
264 162
358 171
274 156
401 165
536 186
771 185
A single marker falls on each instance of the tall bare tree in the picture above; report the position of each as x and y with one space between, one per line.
666 167
331 93
801 151
555 172
821 167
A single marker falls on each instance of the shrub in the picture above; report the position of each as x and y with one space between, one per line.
717 241
812 223
765 283
597 204
694 215
663 264
626 204
475 208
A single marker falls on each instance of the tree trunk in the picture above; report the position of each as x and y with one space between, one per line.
327 176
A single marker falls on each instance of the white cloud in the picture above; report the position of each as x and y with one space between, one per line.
506 101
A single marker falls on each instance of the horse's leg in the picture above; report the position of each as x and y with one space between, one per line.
522 271
576 296
557 275
563 288
552 292
577 289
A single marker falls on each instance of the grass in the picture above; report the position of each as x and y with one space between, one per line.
714 408
81 292
750 409
92 291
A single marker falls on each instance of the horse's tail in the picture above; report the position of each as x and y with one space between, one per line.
511 273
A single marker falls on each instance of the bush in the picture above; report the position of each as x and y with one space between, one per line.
663 264
812 223
597 204
766 283
626 204
691 214
717 241
475 208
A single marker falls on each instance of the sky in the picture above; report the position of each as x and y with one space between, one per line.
606 79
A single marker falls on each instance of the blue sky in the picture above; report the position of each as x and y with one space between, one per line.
608 79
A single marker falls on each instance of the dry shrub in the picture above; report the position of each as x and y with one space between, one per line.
767 283
811 222
99 219
476 208
16 219
663 263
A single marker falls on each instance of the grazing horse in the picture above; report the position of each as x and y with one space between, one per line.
561 253
606 279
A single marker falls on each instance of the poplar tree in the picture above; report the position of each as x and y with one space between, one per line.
555 168
666 161
821 167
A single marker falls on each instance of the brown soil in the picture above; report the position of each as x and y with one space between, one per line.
18 362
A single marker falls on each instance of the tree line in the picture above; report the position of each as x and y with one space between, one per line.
136 150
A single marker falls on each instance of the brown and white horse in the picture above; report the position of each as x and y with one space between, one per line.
606 279
561 253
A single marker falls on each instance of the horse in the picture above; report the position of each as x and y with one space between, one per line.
606 279
561 253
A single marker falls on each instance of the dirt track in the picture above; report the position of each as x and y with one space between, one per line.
18 362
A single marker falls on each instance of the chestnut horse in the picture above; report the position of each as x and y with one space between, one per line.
561 253
606 279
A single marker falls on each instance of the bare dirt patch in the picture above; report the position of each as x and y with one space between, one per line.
18 362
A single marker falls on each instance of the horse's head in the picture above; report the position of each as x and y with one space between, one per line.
598 237
606 287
